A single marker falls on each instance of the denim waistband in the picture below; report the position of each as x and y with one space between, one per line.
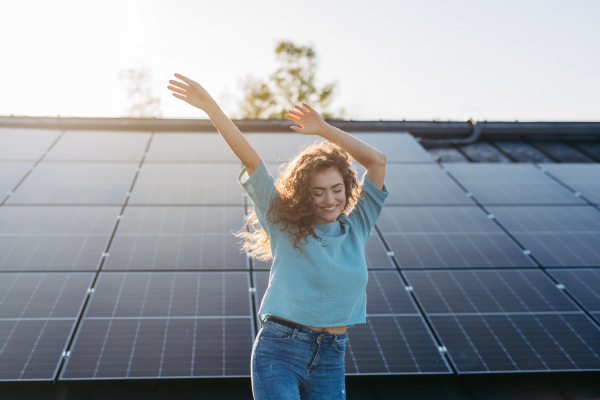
301 329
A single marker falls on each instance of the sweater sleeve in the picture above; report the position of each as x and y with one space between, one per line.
368 207
260 187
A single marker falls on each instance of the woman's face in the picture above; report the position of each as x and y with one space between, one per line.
329 194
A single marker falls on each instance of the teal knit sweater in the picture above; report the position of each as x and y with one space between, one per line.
323 286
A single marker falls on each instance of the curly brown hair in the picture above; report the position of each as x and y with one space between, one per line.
295 207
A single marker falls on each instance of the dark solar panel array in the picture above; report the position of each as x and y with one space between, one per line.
38 312
117 260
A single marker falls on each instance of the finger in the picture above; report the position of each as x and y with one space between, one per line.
181 85
293 118
304 111
173 88
309 108
296 113
297 129
180 96
183 78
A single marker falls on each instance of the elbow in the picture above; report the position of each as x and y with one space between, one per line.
380 159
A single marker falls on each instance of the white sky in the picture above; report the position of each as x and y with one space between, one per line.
495 60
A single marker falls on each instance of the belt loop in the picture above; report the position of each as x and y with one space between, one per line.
295 331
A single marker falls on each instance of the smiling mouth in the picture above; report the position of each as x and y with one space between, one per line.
330 209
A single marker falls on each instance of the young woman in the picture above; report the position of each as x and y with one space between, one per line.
314 223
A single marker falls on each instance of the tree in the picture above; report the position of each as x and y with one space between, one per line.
292 83
144 104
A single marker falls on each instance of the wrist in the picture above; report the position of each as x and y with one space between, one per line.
211 108
327 131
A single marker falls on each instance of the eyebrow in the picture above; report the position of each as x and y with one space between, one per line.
322 188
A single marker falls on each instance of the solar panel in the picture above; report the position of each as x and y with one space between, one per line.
499 321
520 342
188 184
397 147
279 147
421 184
25 144
510 184
11 173
189 147
583 285
488 291
555 236
38 312
164 325
394 340
520 151
100 146
584 178
54 238
178 238
76 183
447 237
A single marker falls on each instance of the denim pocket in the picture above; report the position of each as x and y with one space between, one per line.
339 346
271 332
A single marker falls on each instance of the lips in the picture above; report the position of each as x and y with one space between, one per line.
330 209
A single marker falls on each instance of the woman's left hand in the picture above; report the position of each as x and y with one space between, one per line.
309 120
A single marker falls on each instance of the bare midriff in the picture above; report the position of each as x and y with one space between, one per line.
333 329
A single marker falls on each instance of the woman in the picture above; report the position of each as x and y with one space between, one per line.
314 223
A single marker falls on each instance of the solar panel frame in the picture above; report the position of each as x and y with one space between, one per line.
131 330
178 244
38 329
494 184
447 237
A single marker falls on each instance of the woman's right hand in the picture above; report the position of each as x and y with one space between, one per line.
192 93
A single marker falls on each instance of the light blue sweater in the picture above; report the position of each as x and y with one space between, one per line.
324 286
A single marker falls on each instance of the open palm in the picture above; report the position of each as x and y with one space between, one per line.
191 92
309 120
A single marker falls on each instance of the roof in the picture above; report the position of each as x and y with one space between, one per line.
116 246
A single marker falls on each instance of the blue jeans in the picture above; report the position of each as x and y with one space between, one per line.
292 362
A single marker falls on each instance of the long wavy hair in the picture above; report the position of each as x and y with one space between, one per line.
295 208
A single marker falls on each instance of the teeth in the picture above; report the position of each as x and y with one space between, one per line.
329 209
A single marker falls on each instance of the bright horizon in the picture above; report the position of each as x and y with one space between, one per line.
393 60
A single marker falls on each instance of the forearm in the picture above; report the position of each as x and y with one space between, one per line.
236 141
364 154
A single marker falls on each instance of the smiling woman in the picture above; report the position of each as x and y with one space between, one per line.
314 222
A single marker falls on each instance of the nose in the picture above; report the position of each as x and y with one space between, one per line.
329 198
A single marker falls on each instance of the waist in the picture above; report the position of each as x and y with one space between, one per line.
291 324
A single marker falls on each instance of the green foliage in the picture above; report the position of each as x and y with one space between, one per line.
292 83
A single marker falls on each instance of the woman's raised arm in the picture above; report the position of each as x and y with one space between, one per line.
311 123
192 93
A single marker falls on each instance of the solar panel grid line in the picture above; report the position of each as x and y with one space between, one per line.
535 316
565 236
397 325
508 317
40 358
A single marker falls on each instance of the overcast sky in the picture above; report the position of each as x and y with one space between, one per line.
414 60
